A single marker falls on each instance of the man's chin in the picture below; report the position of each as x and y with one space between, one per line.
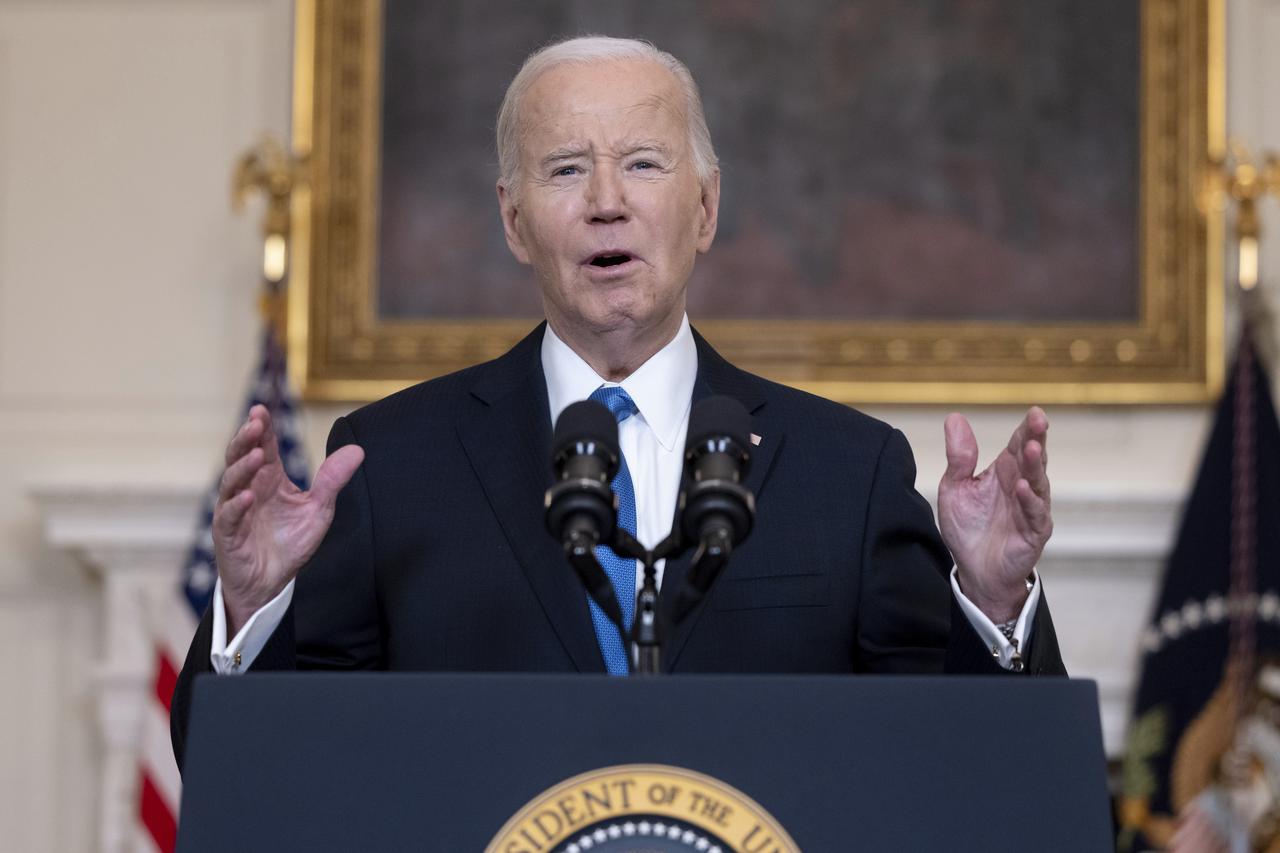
615 321
629 319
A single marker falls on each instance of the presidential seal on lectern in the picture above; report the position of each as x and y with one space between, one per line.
652 808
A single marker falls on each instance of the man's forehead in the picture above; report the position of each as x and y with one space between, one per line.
614 89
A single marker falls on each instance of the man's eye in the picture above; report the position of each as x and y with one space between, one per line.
644 164
565 171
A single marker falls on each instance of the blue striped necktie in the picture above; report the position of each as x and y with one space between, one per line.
621 570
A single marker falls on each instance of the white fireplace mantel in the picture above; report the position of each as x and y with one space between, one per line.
134 538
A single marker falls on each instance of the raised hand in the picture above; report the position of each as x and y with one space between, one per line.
996 523
264 527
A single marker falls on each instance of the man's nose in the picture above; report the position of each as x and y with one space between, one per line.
606 198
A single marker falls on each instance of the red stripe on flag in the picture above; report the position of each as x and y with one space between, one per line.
166 680
156 817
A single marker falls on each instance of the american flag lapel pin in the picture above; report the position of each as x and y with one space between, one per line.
755 439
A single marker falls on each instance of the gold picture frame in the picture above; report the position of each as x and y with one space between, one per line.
341 350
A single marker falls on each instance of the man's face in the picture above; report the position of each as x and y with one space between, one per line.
608 211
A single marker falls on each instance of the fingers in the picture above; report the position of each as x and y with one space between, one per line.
1031 467
1035 509
1027 447
962 448
240 474
251 447
270 444
229 514
248 436
335 472
256 431
1034 427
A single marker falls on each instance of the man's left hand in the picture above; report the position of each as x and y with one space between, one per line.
997 523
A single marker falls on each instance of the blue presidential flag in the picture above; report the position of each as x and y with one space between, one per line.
1204 744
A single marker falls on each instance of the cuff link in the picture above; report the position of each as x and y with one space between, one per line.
1016 663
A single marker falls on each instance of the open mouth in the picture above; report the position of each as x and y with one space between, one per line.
609 260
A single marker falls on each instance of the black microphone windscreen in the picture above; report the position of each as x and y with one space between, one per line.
589 420
717 416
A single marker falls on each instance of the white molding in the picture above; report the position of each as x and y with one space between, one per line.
133 537
1114 526
1108 548
105 515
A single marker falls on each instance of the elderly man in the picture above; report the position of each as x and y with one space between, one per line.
421 544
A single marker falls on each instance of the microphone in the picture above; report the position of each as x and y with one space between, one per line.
585 458
717 510
581 510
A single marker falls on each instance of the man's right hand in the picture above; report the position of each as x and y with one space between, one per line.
264 527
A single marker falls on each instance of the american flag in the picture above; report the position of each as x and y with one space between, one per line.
160 786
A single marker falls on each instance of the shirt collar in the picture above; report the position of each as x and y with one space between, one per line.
662 387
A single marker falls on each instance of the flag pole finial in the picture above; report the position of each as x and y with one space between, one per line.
268 169
1245 180
1242 179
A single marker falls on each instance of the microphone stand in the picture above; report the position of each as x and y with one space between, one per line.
579 548
646 629
646 634
708 561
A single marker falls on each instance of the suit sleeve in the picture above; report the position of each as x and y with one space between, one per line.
908 620
332 622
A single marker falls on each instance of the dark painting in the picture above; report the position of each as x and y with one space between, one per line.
881 159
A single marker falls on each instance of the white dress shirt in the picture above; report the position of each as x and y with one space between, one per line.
653 443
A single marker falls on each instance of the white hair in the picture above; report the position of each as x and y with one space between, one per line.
586 50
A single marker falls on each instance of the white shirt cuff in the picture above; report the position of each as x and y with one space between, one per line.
238 655
1001 648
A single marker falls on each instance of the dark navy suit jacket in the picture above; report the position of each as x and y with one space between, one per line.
438 558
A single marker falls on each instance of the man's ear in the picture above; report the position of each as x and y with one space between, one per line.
710 204
510 215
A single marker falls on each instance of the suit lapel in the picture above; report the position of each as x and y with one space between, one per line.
717 376
507 438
